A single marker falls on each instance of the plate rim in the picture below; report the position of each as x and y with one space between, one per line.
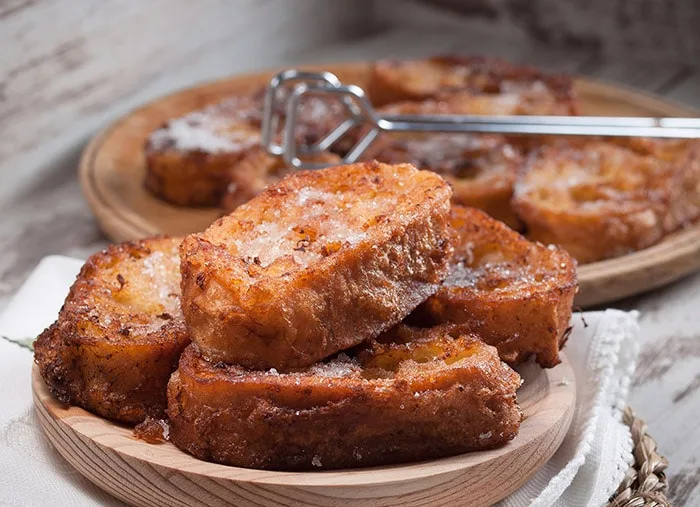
560 401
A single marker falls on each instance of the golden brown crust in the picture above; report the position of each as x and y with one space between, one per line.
602 199
195 179
395 81
257 170
426 395
315 264
119 334
189 159
514 294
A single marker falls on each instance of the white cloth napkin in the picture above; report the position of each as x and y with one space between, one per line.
585 471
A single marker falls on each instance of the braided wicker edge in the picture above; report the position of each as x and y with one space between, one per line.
645 483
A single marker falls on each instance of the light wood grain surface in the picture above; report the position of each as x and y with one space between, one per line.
162 475
48 115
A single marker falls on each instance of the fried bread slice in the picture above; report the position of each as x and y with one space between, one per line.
600 199
416 395
514 294
315 264
684 156
414 80
466 102
256 170
481 168
119 334
189 159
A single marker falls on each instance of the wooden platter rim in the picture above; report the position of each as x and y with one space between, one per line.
623 91
558 405
687 238
91 190
682 247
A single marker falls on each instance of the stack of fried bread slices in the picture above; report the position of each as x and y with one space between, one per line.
344 317
627 193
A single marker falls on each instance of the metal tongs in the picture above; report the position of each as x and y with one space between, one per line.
291 85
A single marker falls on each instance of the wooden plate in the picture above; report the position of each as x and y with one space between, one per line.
112 171
154 475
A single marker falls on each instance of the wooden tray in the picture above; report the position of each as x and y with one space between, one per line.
161 475
112 170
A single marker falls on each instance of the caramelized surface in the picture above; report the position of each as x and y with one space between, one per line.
315 264
420 395
627 194
120 332
514 294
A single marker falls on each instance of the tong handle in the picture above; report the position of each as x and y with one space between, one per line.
361 111
545 125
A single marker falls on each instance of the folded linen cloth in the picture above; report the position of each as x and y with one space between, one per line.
585 471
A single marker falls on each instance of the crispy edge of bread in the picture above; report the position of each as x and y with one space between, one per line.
393 402
520 319
256 170
105 361
240 314
190 178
